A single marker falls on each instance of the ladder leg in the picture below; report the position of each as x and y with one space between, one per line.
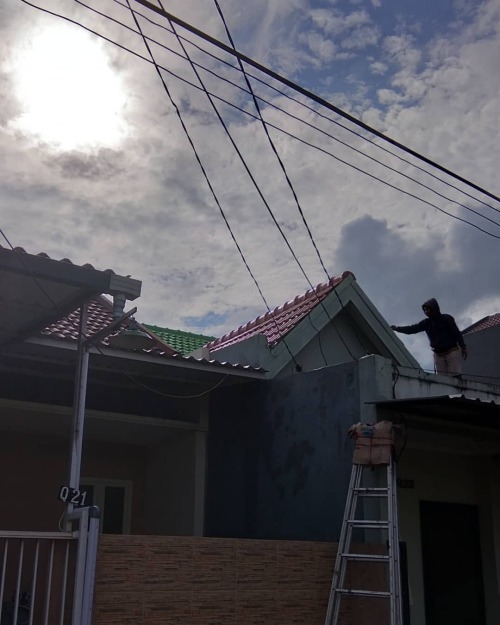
339 570
394 556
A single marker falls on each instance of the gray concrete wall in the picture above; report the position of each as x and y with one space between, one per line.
279 458
483 360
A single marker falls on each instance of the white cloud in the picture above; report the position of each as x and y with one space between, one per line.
144 208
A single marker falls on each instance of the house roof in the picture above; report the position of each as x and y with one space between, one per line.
456 408
486 322
277 323
38 290
183 342
100 315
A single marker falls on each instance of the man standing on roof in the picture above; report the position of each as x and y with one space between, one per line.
445 338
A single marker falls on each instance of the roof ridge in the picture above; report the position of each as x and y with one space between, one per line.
154 327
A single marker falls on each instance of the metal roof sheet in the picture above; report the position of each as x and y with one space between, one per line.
458 407
38 290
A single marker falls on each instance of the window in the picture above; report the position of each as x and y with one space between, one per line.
114 499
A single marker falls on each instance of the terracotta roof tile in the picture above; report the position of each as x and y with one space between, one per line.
486 322
277 323
100 314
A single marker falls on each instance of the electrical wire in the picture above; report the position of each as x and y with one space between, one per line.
348 349
303 104
396 368
249 91
292 190
256 186
210 186
254 117
82 336
310 95
388 184
271 143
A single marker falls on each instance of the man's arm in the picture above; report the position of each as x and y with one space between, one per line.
413 329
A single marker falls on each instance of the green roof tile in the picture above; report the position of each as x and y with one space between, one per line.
183 342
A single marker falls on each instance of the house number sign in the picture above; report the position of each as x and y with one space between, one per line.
70 495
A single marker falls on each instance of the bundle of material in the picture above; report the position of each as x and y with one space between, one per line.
374 442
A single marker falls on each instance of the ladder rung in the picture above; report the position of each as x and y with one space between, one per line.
363 593
363 490
366 557
371 492
361 523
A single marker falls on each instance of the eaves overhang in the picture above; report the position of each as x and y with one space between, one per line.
459 409
197 366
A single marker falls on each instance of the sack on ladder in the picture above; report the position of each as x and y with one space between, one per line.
374 442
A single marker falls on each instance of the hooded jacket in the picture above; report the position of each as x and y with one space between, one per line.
441 330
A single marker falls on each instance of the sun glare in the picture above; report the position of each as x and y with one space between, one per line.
70 96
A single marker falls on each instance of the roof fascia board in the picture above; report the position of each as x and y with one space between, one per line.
101 415
347 292
278 357
381 328
213 367
94 280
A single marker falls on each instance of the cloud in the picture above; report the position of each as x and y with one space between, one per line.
145 208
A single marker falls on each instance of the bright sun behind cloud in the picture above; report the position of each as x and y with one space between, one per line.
70 97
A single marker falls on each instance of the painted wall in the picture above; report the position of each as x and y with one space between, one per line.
33 468
170 486
483 360
279 458
437 477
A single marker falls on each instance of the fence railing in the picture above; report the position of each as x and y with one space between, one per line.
47 578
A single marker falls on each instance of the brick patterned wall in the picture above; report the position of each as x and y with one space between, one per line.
146 580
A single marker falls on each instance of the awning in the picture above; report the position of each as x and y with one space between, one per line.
455 408
36 290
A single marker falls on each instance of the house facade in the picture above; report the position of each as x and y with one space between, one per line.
286 443
483 361
243 446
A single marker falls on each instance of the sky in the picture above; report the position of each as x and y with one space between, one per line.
95 164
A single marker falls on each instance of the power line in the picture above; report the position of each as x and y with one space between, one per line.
292 189
256 185
255 97
271 142
310 95
304 105
268 123
207 179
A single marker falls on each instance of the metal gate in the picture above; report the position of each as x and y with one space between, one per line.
48 578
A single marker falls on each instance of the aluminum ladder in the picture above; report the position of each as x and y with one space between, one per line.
338 590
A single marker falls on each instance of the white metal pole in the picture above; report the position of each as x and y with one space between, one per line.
82 367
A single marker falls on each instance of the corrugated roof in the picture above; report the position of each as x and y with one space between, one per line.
36 290
277 323
183 342
486 322
458 408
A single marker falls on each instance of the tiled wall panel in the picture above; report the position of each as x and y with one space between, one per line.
148 580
